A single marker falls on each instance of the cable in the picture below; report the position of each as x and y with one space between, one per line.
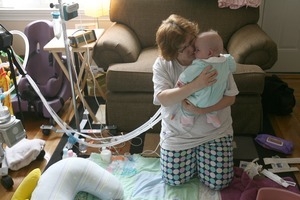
159 144
26 56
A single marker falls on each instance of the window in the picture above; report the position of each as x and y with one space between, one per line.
30 4
40 9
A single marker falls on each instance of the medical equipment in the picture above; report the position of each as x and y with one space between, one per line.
11 132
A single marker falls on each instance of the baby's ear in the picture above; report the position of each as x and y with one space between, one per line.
210 53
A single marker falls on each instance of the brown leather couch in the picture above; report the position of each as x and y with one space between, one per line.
127 51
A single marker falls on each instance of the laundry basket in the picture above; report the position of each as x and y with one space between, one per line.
268 193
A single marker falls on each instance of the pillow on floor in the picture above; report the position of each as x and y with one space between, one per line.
27 186
64 179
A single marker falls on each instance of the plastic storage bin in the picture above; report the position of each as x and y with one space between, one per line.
268 193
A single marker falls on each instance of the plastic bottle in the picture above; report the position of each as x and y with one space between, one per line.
56 24
106 155
65 153
82 147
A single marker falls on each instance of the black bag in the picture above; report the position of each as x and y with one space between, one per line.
277 98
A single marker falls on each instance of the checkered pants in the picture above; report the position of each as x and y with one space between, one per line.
212 162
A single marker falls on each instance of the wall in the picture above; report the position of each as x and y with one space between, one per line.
281 21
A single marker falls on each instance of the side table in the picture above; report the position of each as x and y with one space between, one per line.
57 46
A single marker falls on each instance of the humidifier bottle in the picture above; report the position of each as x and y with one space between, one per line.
56 24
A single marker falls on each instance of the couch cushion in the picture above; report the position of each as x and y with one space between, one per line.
137 76
144 18
133 77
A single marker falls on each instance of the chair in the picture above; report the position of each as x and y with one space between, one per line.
46 73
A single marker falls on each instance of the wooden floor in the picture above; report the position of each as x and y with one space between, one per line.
287 127
32 125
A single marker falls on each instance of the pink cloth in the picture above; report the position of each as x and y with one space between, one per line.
243 187
235 4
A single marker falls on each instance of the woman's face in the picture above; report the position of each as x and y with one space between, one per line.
186 51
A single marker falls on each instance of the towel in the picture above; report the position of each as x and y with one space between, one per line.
23 153
235 4
243 187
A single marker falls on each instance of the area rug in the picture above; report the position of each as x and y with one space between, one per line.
141 180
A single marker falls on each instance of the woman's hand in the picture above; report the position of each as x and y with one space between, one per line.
176 95
206 78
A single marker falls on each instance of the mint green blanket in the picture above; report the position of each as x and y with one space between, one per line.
141 180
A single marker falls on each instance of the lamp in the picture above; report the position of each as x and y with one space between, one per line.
96 8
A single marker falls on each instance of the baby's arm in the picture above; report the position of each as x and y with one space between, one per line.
191 72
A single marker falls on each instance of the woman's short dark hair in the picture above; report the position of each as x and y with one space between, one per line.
172 33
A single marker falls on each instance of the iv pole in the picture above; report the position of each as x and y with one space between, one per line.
68 55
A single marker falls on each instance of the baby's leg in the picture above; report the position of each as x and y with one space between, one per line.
186 118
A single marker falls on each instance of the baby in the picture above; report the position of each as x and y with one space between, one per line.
208 49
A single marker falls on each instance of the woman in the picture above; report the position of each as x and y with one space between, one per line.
201 149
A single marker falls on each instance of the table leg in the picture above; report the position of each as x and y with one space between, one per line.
77 91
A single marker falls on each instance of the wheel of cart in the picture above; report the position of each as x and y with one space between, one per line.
7 182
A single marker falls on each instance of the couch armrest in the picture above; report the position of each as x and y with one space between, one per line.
250 79
118 44
251 45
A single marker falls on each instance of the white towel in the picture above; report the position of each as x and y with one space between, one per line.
235 4
23 153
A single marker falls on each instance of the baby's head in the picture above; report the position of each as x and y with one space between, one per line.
208 44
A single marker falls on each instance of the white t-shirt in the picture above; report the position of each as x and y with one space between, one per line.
173 135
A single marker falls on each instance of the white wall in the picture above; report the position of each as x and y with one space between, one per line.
281 21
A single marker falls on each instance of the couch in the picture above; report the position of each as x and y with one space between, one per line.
127 51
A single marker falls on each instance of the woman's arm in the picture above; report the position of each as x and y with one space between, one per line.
171 96
223 103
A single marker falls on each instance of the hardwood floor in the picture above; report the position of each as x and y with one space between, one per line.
32 125
287 127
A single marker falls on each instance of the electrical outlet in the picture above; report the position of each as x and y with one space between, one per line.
96 69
